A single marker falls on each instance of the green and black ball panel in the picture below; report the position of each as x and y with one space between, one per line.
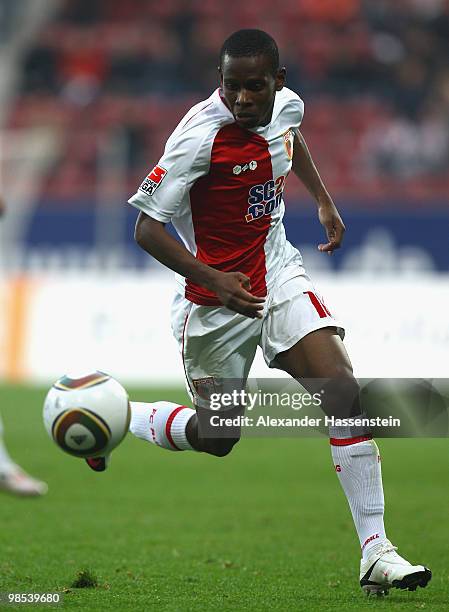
80 432
91 380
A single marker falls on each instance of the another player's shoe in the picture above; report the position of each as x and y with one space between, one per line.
98 464
385 569
14 480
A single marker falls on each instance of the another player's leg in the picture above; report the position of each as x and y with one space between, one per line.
15 480
321 354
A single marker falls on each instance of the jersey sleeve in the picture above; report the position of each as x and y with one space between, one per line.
290 110
186 158
295 112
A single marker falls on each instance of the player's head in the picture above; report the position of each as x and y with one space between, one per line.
250 76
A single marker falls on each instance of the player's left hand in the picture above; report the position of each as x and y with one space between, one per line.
331 221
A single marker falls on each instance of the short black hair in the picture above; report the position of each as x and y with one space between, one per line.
249 43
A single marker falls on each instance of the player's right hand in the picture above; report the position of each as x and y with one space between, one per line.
233 291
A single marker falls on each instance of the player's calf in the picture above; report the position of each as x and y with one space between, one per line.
220 447
217 431
176 428
165 424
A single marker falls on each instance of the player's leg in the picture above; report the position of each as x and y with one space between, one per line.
177 428
301 338
218 347
215 344
5 459
322 355
170 426
313 349
13 478
165 424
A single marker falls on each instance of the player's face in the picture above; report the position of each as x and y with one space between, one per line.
249 88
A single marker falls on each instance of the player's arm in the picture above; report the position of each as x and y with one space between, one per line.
231 288
305 169
2 206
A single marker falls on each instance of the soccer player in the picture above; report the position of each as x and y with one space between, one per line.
12 477
242 284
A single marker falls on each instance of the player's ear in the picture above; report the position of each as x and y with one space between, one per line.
220 75
280 78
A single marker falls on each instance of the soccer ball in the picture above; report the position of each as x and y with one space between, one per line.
87 416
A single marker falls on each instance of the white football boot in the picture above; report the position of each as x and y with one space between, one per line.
385 569
14 480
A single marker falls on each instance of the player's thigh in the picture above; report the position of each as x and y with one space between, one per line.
319 354
300 335
306 341
321 363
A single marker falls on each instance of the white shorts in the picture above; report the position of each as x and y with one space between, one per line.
217 343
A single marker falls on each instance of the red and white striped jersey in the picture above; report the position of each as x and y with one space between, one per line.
221 186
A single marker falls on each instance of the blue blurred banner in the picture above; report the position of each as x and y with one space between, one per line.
387 241
400 240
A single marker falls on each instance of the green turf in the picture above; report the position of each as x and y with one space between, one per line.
266 528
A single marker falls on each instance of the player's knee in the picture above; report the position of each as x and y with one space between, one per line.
348 383
342 391
220 447
343 379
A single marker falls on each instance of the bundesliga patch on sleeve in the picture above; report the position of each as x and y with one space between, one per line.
153 180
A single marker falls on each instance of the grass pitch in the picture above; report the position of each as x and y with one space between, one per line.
266 528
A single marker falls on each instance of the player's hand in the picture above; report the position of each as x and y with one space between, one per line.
333 224
233 291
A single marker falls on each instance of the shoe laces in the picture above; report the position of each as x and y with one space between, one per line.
385 547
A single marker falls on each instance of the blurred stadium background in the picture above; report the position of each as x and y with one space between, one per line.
91 90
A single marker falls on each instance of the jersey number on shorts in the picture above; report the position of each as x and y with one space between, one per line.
319 305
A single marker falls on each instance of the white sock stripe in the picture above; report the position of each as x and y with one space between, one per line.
168 424
162 423
178 428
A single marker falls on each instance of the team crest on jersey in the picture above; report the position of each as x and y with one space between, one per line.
288 143
153 180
